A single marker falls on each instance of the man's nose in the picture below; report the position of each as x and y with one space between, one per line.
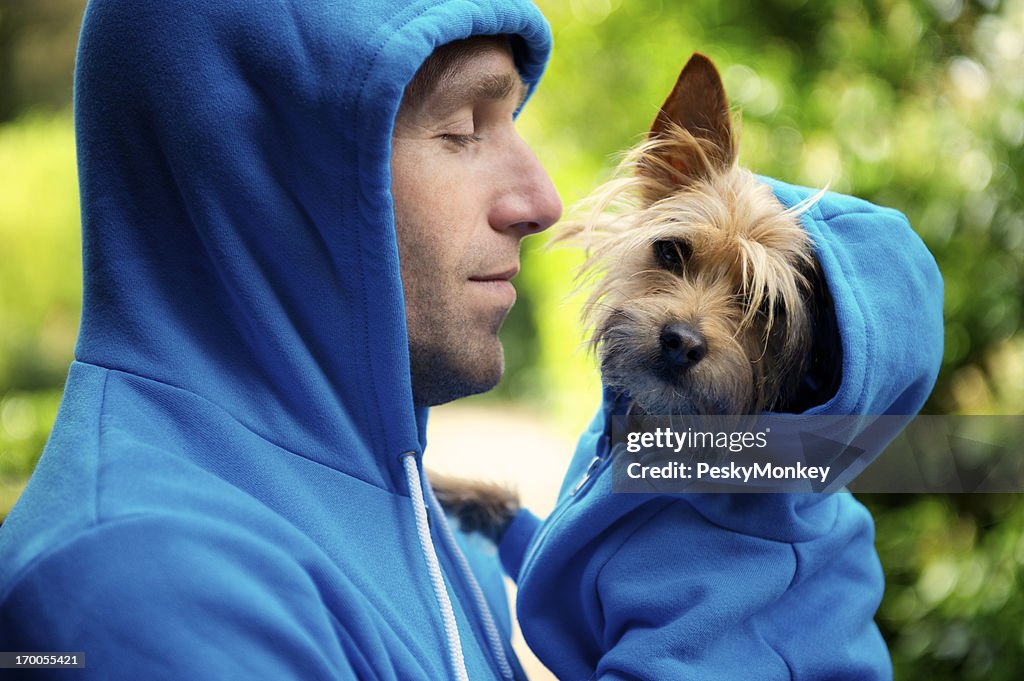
529 202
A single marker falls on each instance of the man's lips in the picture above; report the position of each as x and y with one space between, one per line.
503 275
497 284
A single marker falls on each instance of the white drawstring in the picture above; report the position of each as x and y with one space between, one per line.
493 638
451 629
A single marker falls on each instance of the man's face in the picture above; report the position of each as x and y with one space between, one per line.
466 189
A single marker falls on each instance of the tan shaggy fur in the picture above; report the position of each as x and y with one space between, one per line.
744 284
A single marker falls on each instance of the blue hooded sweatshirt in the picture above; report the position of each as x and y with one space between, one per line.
233 486
742 586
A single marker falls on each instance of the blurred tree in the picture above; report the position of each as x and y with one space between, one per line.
37 53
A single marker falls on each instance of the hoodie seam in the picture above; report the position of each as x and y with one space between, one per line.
99 526
233 420
381 428
789 588
880 210
52 551
825 225
99 447
869 334
823 236
771 647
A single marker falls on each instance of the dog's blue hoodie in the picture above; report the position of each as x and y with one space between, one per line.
226 492
741 586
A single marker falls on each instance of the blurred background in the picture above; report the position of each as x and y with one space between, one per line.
916 104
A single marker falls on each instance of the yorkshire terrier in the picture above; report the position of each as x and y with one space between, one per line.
706 299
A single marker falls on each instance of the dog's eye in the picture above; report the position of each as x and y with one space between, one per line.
764 306
672 254
777 310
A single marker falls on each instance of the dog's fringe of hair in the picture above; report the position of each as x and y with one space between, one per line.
643 189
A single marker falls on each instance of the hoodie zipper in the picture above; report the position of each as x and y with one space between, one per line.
597 466
592 470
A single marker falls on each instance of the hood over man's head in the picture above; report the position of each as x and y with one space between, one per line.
235 165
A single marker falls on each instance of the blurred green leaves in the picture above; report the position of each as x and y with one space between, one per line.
40 282
954 572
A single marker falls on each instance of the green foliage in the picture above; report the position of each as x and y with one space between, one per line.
40 282
37 53
954 572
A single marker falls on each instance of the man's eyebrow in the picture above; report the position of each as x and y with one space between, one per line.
452 94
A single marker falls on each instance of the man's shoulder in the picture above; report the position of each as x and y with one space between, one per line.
155 591
106 496
136 547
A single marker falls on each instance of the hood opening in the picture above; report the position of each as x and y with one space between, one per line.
824 365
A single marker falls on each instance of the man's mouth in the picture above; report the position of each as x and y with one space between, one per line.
498 284
502 275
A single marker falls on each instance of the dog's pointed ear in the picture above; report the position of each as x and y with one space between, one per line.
698 105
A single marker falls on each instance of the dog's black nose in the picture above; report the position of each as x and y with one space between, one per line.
682 346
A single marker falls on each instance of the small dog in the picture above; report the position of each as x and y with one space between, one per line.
704 295
707 299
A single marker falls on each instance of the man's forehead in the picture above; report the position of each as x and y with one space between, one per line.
469 70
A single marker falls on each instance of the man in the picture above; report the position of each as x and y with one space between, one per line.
467 189
283 270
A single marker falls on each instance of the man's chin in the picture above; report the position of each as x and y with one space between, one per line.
442 379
